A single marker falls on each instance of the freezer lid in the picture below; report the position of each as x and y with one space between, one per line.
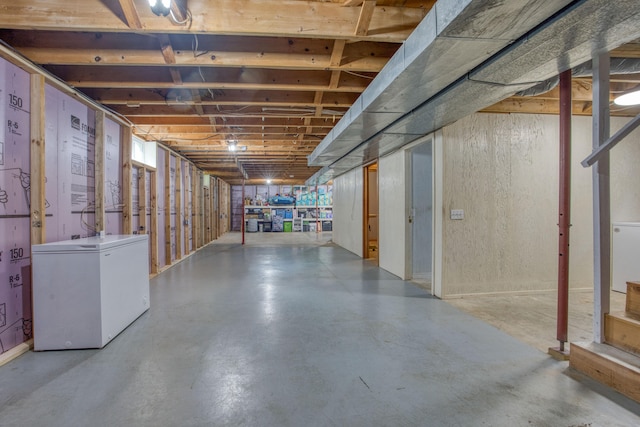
90 244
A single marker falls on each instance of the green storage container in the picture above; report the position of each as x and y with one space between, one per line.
288 226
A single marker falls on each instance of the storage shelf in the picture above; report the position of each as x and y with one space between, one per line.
307 221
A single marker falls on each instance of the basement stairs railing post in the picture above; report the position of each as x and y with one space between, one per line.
601 197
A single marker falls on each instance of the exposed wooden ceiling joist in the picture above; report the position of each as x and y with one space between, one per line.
275 75
286 18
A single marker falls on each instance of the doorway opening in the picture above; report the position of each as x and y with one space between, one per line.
371 212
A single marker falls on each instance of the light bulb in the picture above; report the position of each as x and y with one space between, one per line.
631 98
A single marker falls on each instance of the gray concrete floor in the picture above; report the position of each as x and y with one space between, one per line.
294 331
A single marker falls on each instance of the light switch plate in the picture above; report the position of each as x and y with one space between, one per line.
457 214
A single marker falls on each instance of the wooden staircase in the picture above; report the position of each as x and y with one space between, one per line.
617 362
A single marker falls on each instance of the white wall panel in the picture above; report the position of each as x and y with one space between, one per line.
625 175
392 214
502 170
347 210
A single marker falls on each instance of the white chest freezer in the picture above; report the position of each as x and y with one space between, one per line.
625 254
86 291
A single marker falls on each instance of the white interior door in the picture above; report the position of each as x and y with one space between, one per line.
422 211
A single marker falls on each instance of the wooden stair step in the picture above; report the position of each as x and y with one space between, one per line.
633 298
623 332
604 363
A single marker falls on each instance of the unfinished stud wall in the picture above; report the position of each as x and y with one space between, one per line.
502 170
66 172
348 211
224 209
15 245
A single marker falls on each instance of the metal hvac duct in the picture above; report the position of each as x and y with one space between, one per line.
566 40
454 38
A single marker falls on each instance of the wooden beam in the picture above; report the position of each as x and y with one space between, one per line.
335 80
153 226
196 223
142 201
140 97
146 58
178 8
179 215
175 76
167 49
37 169
352 3
130 14
366 15
255 111
317 101
167 207
336 54
146 122
278 18
99 172
179 83
127 208
223 130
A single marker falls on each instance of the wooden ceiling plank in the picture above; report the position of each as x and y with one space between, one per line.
255 111
317 100
243 120
119 57
337 52
167 49
286 18
366 15
335 80
178 8
239 98
190 139
175 76
130 14
177 81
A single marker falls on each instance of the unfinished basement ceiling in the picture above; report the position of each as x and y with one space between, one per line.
465 60
275 76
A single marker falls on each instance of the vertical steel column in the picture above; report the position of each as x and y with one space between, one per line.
242 226
564 211
601 197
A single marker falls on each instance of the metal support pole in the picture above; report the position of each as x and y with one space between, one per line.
564 211
317 210
601 197
242 212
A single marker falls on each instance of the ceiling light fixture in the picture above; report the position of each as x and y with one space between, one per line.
629 98
160 7
268 181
